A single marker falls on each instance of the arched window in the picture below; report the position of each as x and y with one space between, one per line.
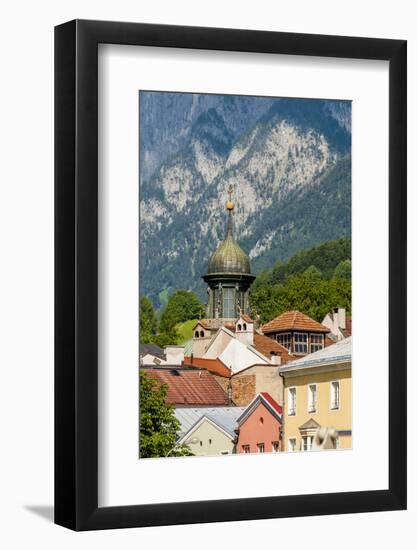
239 327
196 334
201 334
244 326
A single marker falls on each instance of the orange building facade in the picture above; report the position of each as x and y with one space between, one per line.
259 426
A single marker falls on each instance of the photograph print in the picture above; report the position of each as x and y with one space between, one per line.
245 315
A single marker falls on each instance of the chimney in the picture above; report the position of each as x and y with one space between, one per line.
340 317
174 355
275 358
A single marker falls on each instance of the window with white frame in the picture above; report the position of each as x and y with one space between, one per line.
284 339
334 394
306 442
292 401
292 444
300 342
275 446
246 449
261 447
312 398
316 342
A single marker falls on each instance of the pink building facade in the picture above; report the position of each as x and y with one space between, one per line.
259 426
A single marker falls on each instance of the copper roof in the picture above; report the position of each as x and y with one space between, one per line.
293 320
267 346
229 257
189 387
215 366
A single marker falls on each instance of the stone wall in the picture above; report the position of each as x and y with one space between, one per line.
243 389
247 384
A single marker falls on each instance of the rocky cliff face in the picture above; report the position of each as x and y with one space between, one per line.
288 161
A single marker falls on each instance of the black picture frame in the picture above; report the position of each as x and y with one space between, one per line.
76 272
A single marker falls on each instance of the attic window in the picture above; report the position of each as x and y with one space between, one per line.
300 342
316 342
284 339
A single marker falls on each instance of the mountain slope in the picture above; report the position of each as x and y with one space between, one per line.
291 173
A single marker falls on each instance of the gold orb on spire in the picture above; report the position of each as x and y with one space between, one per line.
230 204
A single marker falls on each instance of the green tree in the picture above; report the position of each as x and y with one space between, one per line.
279 272
303 292
343 270
148 321
325 257
158 424
163 339
182 306
313 273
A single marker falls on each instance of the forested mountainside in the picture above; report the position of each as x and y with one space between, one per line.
313 281
287 159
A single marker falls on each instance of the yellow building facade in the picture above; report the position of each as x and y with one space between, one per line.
318 393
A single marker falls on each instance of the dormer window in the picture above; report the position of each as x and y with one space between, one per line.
316 342
300 342
284 339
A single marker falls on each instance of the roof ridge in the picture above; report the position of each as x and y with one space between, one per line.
295 316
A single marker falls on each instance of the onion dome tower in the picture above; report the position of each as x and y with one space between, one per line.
228 276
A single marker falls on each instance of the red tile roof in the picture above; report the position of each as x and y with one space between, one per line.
203 323
215 366
348 330
268 401
246 318
293 320
328 341
189 387
271 401
266 346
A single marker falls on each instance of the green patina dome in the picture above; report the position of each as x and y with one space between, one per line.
229 257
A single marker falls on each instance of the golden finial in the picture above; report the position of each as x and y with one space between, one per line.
230 204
